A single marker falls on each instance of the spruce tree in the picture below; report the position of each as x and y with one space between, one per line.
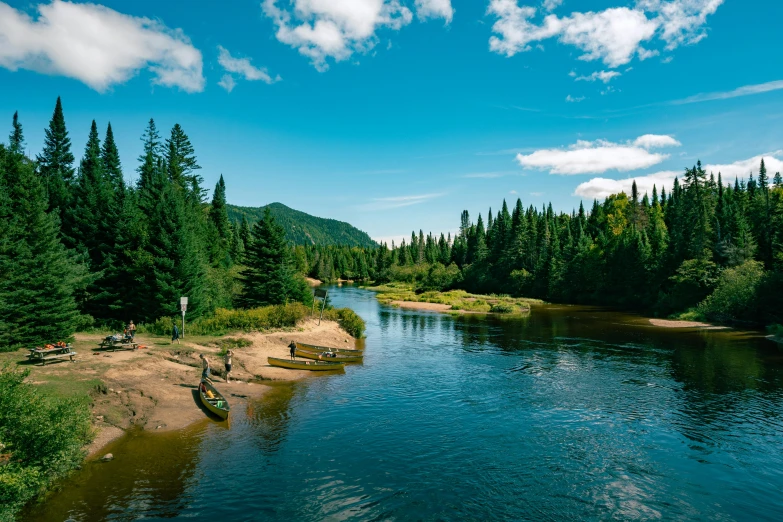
112 168
40 277
268 278
218 216
182 164
56 162
16 138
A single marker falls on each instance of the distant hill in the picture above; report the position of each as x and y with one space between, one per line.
304 229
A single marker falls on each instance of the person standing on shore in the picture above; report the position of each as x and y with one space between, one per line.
292 349
175 333
206 373
227 360
132 330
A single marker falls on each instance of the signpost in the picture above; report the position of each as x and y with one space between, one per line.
323 295
183 304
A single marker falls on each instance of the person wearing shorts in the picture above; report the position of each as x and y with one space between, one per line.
229 356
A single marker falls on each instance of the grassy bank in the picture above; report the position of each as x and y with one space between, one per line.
458 300
262 319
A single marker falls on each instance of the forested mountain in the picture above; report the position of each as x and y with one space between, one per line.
304 229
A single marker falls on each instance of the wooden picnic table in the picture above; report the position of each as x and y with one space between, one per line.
42 355
115 342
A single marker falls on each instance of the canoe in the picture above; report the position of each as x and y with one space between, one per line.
313 366
213 400
317 356
319 349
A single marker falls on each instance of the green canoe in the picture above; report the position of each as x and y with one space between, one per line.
321 349
213 400
313 366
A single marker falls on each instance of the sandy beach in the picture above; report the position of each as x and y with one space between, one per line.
669 323
156 387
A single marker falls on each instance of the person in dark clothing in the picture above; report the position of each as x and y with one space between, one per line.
175 334
292 349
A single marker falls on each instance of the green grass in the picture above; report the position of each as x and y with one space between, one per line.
458 299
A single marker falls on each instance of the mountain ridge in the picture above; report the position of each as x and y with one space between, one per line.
302 228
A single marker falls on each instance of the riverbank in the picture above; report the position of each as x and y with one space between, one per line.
676 323
453 301
156 387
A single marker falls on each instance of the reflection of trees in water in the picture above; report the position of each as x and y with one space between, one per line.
269 416
148 477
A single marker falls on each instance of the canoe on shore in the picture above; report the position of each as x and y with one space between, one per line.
213 400
313 366
320 349
320 356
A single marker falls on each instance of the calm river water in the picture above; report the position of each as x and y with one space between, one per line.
571 413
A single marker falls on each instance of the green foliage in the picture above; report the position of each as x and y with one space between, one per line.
304 229
223 321
734 298
44 436
348 320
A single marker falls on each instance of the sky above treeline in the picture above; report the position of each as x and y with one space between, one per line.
396 115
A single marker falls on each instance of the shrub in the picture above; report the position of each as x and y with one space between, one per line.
348 320
734 297
503 308
440 277
43 435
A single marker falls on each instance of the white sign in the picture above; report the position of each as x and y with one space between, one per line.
183 303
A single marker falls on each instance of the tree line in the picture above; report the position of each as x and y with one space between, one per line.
707 245
81 246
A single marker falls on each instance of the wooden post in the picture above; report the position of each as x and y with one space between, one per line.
323 295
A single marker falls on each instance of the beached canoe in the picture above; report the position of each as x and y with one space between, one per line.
313 366
320 356
320 349
213 400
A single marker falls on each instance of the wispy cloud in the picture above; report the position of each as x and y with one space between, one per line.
603 76
495 174
572 99
242 68
746 90
398 201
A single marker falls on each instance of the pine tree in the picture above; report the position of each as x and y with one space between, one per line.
16 138
268 277
182 164
112 167
218 217
39 276
56 162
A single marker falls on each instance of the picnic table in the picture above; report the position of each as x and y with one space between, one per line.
42 355
118 342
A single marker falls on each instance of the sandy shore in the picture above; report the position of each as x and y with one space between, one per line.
669 323
313 282
156 387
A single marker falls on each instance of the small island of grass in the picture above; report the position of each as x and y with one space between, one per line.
403 295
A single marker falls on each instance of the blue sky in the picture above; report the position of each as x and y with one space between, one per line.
398 114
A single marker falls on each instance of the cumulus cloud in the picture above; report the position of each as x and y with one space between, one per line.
596 157
435 9
97 46
613 35
551 5
655 141
324 29
600 188
604 76
243 68
742 168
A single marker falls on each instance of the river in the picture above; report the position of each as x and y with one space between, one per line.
571 413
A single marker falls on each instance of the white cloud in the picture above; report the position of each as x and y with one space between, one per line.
596 157
227 82
742 169
241 67
613 35
336 29
487 175
512 192
97 46
746 90
398 201
435 9
600 188
551 5
571 99
604 76
655 141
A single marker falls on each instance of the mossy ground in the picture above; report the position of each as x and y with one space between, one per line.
459 300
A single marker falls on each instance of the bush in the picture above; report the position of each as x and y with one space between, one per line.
503 308
348 320
693 281
734 299
440 278
43 435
